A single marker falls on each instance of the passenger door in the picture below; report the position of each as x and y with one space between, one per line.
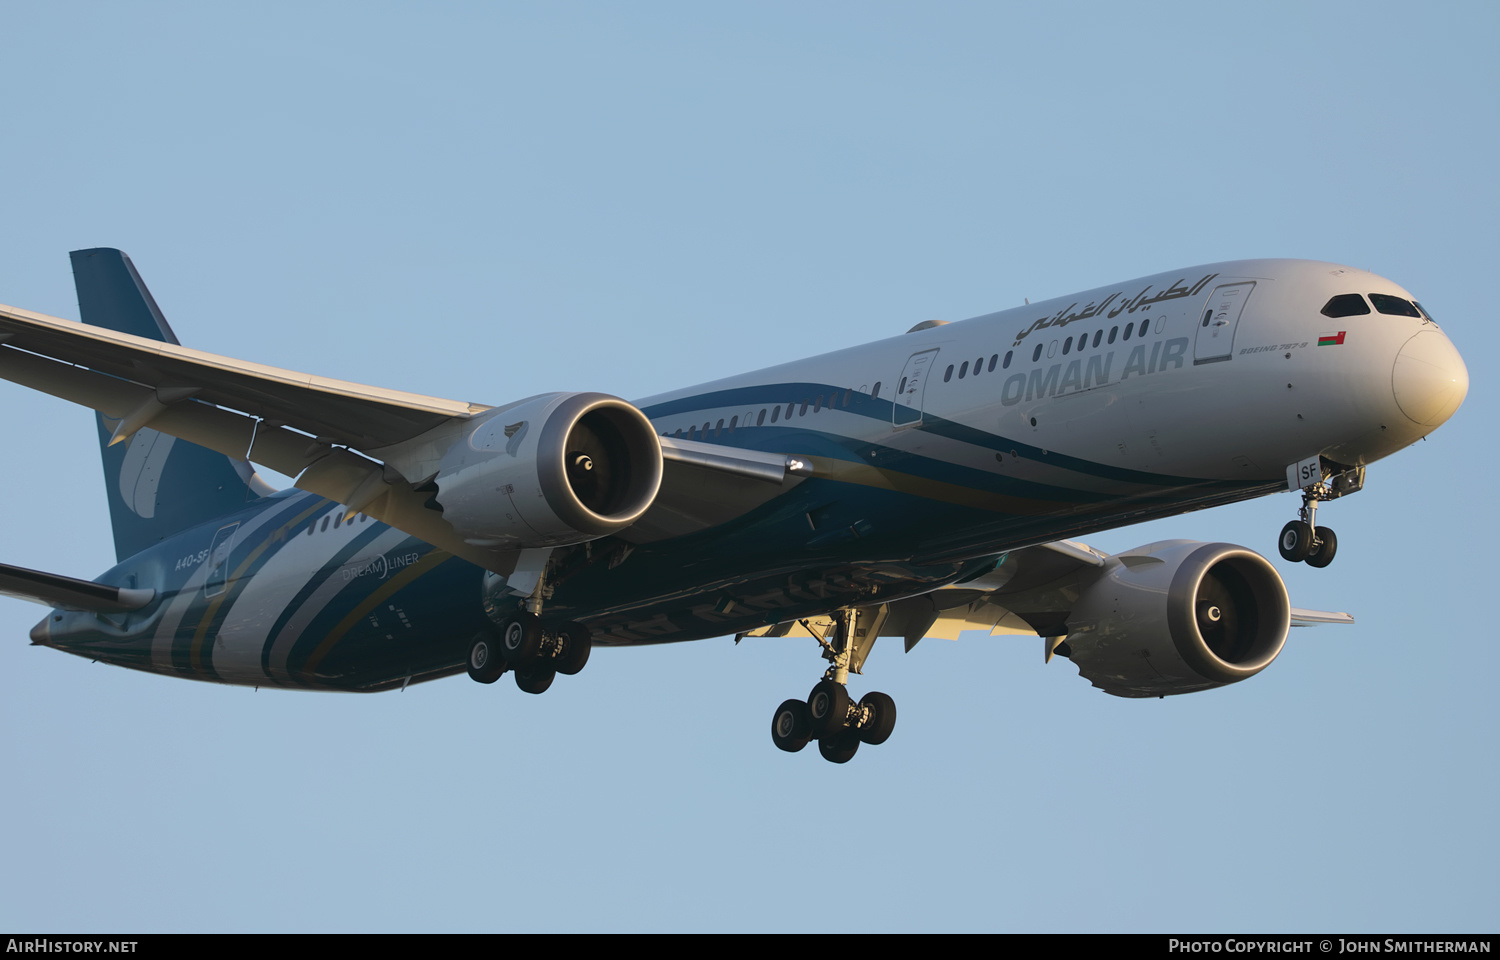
1221 314
906 411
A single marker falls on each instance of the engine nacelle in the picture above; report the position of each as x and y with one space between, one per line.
556 469
1176 617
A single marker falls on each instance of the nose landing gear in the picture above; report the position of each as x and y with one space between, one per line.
829 715
1302 541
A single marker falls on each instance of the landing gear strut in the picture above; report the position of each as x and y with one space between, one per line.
828 714
536 650
1302 540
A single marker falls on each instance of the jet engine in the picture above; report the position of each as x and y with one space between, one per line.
556 469
1176 617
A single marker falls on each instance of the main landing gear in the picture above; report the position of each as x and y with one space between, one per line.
829 715
536 650
1302 540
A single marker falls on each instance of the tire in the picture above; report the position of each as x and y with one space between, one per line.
1328 545
791 726
521 640
576 645
882 718
535 679
1295 542
840 747
485 663
828 706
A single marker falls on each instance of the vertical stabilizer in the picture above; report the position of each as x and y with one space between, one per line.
157 485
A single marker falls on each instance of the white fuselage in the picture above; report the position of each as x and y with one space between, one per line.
1237 399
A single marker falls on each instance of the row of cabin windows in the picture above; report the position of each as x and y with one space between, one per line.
1353 305
839 398
315 527
1069 344
963 369
842 399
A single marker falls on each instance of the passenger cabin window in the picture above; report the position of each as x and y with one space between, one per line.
1006 364
1394 306
1036 354
1346 305
948 374
875 393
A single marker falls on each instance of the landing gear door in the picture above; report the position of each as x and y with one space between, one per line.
907 409
1221 314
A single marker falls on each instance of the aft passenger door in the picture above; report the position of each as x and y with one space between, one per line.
1221 314
907 409
218 560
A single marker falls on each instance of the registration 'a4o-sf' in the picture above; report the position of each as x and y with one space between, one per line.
917 486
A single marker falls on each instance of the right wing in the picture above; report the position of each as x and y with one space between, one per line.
1029 592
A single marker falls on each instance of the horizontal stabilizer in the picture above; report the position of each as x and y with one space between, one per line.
54 590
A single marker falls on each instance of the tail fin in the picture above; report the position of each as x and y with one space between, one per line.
157 485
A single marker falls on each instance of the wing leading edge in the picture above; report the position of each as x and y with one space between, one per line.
331 434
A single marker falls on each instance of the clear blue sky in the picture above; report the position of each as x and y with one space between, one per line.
485 201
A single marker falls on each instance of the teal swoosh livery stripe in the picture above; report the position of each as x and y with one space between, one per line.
314 583
770 395
204 611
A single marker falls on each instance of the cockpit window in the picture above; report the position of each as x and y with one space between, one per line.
1394 306
1424 311
1346 305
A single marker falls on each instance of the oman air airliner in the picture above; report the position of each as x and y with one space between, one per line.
918 486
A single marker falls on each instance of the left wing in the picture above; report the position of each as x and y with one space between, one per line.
333 436
54 590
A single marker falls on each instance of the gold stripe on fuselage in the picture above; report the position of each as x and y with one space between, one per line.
406 576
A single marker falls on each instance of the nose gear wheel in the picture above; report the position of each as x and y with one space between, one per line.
1302 541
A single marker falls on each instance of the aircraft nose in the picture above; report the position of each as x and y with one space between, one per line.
1429 379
